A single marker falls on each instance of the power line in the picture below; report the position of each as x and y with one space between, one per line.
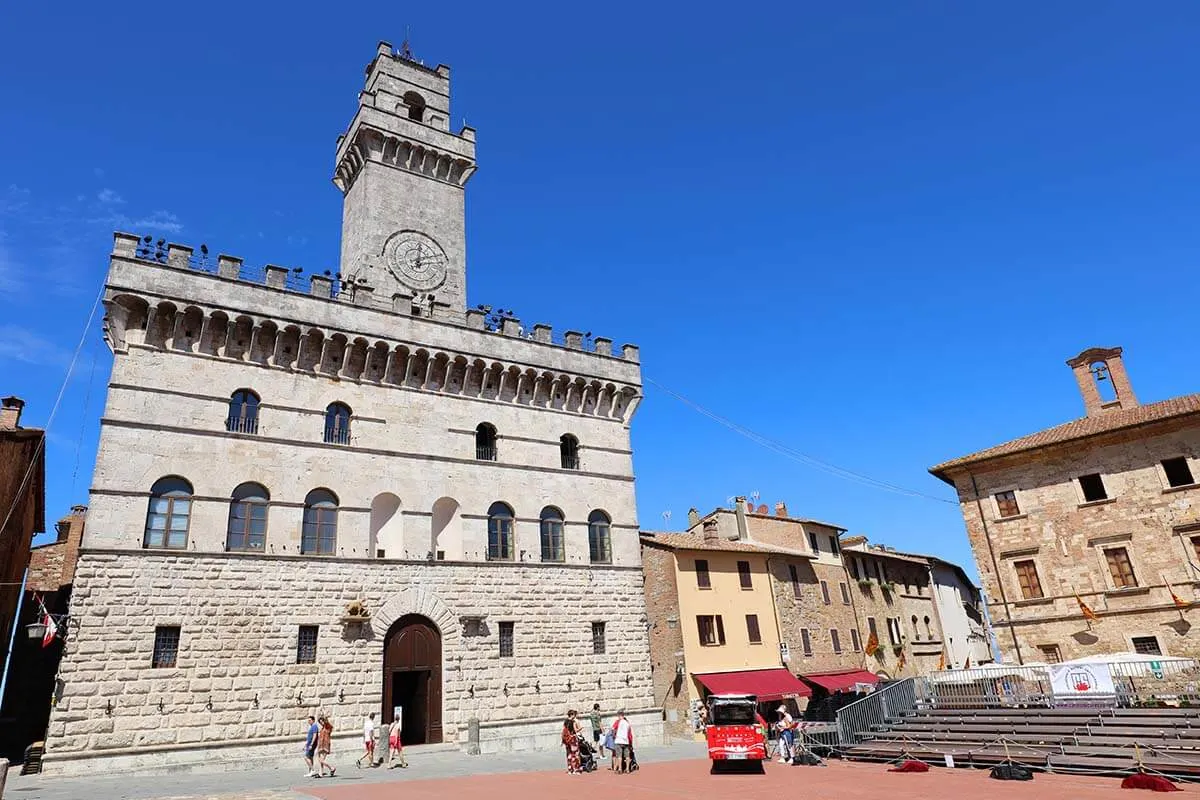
797 455
41 445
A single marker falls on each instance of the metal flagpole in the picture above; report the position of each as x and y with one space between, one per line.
16 623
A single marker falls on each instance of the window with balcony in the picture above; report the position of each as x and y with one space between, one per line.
485 442
568 451
337 423
243 412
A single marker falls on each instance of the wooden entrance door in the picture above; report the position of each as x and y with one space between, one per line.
412 678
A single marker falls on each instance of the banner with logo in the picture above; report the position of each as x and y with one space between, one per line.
1081 680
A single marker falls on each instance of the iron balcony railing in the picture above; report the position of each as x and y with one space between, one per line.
485 452
242 424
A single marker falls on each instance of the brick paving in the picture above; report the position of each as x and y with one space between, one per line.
691 779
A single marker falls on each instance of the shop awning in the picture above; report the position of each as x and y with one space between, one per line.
841 681
766 684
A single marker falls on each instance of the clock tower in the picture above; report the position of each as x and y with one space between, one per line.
402 173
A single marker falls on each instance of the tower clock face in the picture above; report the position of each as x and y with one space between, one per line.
415 260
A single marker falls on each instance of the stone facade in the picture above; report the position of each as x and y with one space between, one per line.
52 565
1045 540
456 474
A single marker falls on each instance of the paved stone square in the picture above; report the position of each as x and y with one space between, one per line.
677 771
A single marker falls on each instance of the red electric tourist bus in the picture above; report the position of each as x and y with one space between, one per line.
734 732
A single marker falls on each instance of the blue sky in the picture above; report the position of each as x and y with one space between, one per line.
872 232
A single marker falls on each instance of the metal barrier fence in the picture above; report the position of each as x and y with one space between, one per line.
859 719
1120 684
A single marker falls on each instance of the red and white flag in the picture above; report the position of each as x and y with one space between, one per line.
48 621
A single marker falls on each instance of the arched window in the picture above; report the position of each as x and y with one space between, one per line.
485 442
247 518
928 632
916 630
337 423
568 448
169 513
319 535
243 412
416 106
552 535
500 532
600 537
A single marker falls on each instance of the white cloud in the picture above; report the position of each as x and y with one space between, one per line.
109 198
26 347
159 221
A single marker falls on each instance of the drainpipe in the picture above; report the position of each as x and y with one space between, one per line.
996 568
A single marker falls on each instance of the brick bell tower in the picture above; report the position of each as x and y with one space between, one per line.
403 174
1102 380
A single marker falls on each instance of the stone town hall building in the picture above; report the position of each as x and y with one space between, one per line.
353 494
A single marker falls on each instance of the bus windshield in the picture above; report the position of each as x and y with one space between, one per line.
733 714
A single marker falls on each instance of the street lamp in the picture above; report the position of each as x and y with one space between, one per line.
36 630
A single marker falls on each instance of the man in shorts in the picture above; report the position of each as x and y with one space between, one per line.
368 742
594 718
310 746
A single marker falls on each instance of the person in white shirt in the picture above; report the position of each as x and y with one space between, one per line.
787 735
623 741
368 742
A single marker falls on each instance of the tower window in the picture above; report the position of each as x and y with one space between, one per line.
1178 472
416 106
1093 488
337 423
243 412
568 447
485 442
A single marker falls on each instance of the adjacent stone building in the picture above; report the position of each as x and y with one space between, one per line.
827 595
347 492
1104 511
22 515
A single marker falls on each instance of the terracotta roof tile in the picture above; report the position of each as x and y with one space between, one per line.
1082 428
691 541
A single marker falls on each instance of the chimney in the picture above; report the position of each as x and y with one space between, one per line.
10 413
739 505
711 532
693 518
781 509
1102 380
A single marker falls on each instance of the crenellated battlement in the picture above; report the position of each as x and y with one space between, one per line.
333 287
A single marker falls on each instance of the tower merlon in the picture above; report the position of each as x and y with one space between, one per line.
329 288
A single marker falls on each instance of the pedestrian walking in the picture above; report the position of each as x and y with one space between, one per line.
324 746
594 718
310 746
612 749
570 739
623 740
395 745
368 742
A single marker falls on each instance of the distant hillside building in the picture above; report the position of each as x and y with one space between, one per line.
1104 511
347 492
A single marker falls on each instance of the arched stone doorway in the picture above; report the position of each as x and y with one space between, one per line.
412 678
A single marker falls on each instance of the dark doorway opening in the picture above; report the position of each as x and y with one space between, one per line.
412 679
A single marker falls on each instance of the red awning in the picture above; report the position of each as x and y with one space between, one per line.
766 684
841 681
